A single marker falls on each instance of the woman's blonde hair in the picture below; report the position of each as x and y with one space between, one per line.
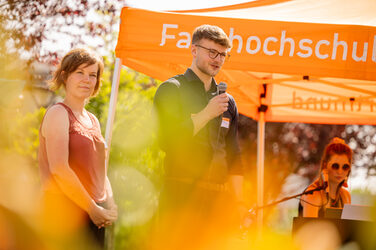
70 62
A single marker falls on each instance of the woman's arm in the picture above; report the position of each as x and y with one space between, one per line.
55 129
346 196
311 204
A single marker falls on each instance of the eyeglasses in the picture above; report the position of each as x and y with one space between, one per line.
345 167
214 53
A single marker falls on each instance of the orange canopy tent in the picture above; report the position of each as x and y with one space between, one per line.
311 61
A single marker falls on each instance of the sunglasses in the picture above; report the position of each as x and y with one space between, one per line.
345 167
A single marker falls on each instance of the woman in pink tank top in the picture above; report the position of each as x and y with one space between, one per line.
77 191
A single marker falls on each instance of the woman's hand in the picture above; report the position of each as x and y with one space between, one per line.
100 216
111 205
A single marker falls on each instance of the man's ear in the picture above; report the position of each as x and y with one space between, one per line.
193 50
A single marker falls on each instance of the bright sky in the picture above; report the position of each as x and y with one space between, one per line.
180 4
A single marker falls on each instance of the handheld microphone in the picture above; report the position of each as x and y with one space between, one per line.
224 122
221 88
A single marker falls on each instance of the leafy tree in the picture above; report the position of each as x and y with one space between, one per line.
362 140
32 29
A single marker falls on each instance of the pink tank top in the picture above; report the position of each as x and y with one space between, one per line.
86 157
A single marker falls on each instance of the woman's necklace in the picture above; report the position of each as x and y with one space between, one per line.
334 202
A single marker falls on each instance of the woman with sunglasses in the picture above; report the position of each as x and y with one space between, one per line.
334 171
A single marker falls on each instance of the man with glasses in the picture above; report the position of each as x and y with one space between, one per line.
198 132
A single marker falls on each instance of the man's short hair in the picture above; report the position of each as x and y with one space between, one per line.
211 32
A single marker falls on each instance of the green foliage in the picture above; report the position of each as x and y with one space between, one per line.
130 237
133 136
99 104
24 134
135 164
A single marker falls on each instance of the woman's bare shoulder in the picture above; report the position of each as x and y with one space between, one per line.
56 118
346 195
56 111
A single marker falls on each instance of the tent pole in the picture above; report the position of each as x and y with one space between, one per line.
260 170
112 105
109 233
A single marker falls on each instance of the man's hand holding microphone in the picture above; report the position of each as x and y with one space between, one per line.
216 107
